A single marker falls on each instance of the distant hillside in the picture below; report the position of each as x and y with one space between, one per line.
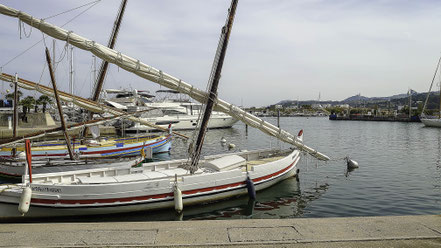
355 98
359 100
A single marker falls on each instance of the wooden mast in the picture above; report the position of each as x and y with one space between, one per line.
410 103
145 71
104 65
430 88
14 118
60 111
111 45
214 83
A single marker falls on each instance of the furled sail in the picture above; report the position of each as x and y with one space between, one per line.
148 72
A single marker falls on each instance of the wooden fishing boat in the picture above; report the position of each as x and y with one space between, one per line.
148 72
151 186
160 184
113 147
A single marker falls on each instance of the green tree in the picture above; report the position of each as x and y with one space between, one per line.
355 111
27 103
405 110
306 106
335 110
10 96
44 100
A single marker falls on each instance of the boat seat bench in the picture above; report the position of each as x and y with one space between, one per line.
137 176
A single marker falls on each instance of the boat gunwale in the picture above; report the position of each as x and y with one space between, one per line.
61 203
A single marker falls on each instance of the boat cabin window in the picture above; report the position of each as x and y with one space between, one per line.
172 112
124 95
152 113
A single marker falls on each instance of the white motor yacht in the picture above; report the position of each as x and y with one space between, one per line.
172 109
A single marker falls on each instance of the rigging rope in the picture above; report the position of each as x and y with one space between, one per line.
203 105
42 73
69 10
430 88
21 27
38 42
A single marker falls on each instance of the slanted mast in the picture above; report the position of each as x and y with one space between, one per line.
213 85
98 86
430 89
150 73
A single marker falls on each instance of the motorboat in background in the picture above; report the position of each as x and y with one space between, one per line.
172 109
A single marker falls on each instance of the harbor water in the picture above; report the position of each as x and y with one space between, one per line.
399 174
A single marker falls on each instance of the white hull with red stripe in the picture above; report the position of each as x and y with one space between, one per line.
117 190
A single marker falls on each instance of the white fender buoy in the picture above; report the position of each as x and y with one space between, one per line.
231 146
178 199
25 200
250 188
21 156
352 164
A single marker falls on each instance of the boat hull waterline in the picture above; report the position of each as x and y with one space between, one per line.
431 122
52 199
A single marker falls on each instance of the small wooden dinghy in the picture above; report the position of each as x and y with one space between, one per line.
114 147
13 170
150 186
52 157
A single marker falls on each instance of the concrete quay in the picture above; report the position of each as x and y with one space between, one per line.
389 231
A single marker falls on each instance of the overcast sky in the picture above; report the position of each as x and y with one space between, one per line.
284 49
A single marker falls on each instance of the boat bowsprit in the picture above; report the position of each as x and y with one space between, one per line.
150 186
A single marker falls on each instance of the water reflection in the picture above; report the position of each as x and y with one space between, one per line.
283 200
348 171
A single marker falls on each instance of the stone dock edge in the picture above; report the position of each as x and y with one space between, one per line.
384 231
